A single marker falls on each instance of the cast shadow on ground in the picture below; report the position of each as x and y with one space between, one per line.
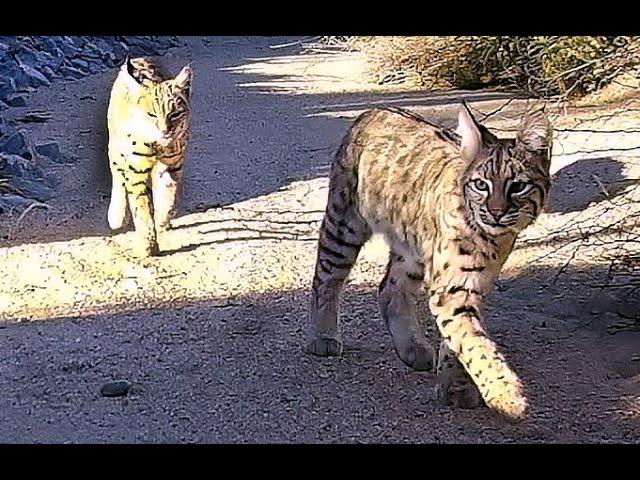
592 180
239 374
573 189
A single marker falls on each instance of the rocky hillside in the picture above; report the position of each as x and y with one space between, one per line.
27 63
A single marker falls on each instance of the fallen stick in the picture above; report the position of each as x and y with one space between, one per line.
27 210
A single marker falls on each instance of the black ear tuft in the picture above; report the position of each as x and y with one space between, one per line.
134 71
130 68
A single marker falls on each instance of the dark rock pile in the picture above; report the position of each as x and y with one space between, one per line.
23 169
30 62
27 63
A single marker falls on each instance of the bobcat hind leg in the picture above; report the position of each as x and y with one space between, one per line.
338 250
397 299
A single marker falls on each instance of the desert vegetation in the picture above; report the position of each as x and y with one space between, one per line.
549 67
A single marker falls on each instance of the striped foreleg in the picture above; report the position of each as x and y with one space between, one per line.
457 301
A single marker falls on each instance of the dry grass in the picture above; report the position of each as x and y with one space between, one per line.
550 67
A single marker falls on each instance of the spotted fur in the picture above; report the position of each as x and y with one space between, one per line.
148 121
450 206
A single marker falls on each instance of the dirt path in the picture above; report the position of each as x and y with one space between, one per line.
210 333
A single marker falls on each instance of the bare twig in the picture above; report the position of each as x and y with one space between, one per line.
27 210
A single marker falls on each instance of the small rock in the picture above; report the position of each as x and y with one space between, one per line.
71 72
79 63
14 145
51 150
48 72
119 388
79 41
15 100
67 47
36 78
46 43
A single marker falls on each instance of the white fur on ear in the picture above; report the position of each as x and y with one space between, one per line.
183 79
469 132
535 131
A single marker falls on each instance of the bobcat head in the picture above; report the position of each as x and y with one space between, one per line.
506 181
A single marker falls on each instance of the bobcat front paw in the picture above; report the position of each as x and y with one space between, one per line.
324 346
162 227
145 249
458 394
417 355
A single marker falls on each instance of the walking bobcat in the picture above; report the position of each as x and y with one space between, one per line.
148 120
451 209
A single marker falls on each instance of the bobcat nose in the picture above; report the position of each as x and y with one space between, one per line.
496 212
496 207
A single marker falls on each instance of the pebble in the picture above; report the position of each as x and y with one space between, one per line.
35 77
118 388
14 100
50 150
14 144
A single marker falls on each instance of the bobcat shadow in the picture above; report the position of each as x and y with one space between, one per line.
241 364
573 188
592 180
301 150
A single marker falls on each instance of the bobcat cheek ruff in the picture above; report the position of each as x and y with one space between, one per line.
450 208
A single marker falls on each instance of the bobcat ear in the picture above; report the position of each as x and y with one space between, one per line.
469 131
127 71
128 65
535 131
183 79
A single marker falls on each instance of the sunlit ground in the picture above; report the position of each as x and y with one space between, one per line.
265 244
268 243
313 73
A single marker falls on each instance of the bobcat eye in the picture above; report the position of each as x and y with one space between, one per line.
480 185
518 188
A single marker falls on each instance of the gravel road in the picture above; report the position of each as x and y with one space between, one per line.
209 335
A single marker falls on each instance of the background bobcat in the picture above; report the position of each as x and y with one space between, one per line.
148 120
451 211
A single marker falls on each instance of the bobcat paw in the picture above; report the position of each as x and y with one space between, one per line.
458 394
146 249
417 355
324 347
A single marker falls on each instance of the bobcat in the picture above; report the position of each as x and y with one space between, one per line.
148 121
450 207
